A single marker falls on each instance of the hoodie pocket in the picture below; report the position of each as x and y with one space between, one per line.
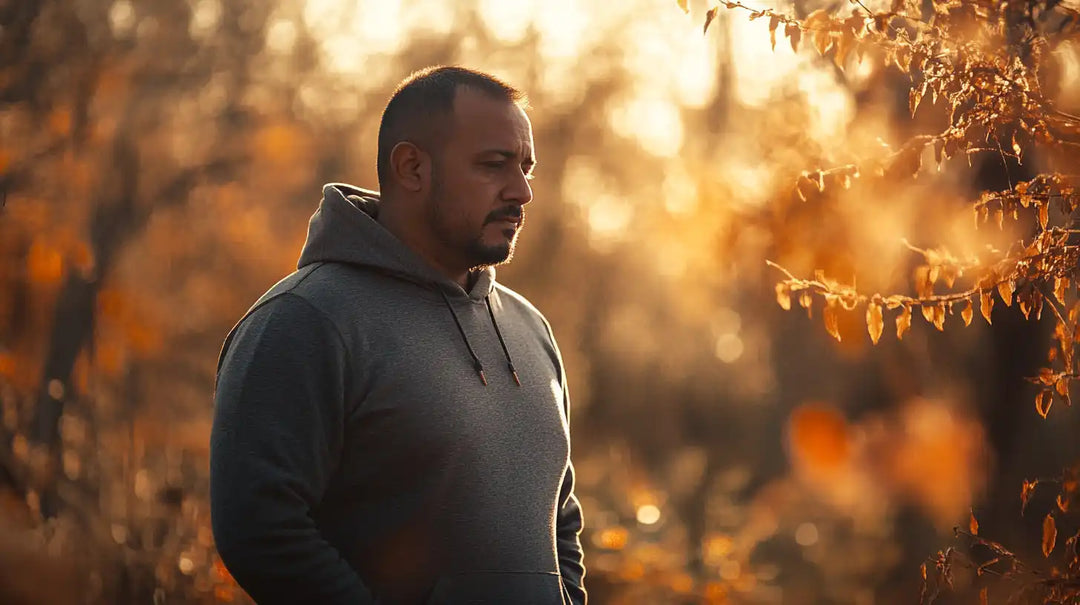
495 587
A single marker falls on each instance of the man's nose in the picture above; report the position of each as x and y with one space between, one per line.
519 191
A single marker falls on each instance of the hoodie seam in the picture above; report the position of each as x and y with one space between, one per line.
326 316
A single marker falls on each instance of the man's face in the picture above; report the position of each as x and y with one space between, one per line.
480 180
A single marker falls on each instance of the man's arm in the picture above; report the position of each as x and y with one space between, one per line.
277 438
571 558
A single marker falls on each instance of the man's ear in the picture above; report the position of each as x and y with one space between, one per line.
410 167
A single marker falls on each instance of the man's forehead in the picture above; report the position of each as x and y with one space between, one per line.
485 120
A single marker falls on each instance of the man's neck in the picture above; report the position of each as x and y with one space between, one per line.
406 232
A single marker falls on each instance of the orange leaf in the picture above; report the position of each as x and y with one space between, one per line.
1043 401
927 313
783 295
973 525
903 322
967 313
1005 290
794 34
1044 214
875 324
709 16
986 304
1061 286
1063 503
774 22
1026 492
1049 535
983 598
683 5
832 317
939 316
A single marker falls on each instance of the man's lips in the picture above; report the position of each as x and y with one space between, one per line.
511 221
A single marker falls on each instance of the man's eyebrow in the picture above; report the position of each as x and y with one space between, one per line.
509 155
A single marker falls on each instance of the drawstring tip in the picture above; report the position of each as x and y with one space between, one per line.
514 373
483 378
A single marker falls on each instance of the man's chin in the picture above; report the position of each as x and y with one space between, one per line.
487 256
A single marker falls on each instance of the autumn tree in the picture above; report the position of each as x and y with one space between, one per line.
982 82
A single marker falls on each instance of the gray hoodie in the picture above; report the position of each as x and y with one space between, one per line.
383 436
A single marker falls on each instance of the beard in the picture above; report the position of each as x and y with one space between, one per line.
470 247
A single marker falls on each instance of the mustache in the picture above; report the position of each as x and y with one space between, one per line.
510 212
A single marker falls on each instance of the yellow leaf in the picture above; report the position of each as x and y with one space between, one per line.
967 313
832 317
683 4
1043 401
973 525
1049 535
903 322
986 304
875 323
783 295
774 22
1006 289
1044 214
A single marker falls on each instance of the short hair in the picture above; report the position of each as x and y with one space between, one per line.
426 94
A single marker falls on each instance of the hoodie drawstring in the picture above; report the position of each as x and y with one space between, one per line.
509 361
477 365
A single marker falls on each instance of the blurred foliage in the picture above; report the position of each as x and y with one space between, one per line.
158 162
990 74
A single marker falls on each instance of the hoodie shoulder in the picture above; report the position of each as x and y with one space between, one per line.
521 305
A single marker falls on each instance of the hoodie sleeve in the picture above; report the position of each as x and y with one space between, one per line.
276 440
571 559
570 522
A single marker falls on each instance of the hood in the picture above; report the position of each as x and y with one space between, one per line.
344 230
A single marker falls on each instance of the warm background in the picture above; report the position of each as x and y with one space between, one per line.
159 161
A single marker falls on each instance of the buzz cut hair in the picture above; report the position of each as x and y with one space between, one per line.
418 109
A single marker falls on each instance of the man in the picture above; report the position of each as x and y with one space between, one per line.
391 425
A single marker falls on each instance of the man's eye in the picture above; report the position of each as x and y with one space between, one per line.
493 164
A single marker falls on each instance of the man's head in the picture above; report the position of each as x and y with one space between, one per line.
455 155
